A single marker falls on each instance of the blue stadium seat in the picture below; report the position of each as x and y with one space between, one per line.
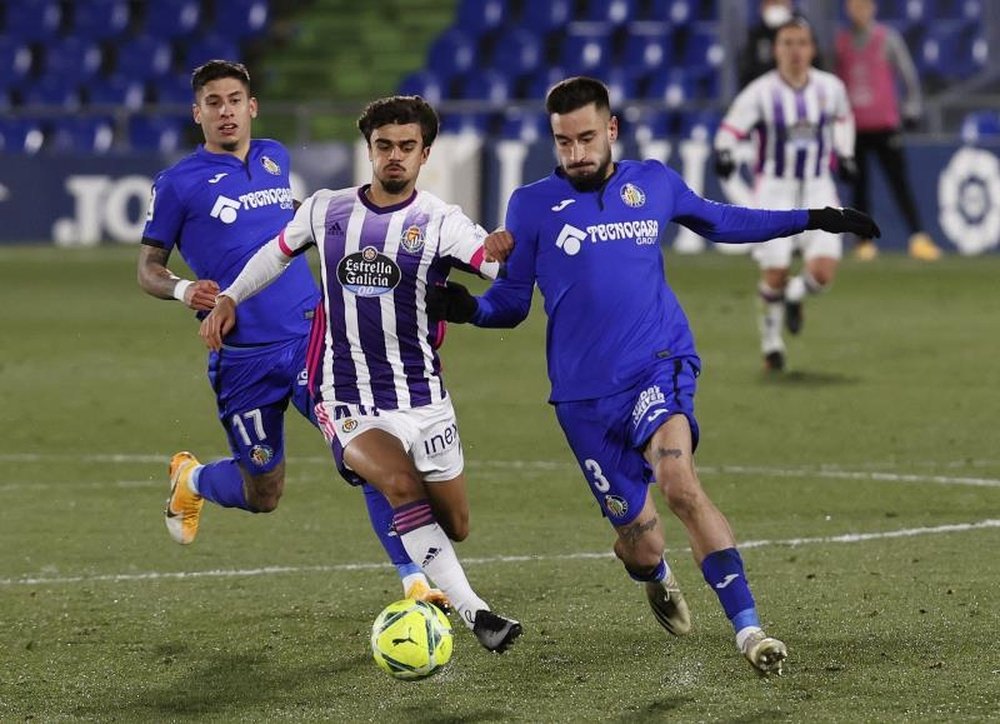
487 85
586 48
648 124
948 50
676 12
649 46
100 19
546 77
145 57
241 19
520 53
453 52
480 17
52 91
85 135
201 49
33 20
172 18
674 87
157 133
527 126
622 83
76 58
15 59
456 123
700 125
426 84
613 12
979 126
173 90
702 49
21 135
116 90
544 17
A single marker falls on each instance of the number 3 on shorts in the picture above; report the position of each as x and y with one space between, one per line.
600 482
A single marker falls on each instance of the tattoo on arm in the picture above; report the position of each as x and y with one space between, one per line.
634 531
666 452
154 277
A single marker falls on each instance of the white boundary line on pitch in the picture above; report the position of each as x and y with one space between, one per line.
760 471
274 570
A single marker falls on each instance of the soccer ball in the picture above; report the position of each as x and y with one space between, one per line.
411 639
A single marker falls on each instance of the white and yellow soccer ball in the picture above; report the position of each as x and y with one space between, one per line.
411 639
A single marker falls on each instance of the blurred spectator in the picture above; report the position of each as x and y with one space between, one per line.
870 58
757 56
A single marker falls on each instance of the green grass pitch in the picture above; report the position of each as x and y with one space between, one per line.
864 485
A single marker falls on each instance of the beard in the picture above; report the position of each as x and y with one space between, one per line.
592 180
393 186
229 146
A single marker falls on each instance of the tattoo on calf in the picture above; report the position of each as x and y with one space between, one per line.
635 531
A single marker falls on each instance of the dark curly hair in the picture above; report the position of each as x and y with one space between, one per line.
402 110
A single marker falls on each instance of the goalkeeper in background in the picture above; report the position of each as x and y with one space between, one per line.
621 355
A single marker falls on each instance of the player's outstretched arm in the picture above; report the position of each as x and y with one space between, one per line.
158 281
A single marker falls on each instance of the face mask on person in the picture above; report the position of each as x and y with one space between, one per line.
776 15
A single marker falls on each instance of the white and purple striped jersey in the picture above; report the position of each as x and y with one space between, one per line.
796 129
373 345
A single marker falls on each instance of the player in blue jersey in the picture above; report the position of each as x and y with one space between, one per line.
621 356
218 206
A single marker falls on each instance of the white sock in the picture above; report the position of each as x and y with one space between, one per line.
430 547
796 289
412 578
193 479
743 634
771 322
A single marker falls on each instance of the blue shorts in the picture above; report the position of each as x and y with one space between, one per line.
253 386
608 434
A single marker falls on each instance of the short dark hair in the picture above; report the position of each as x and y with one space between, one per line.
574 93
402 110
216 69
797 21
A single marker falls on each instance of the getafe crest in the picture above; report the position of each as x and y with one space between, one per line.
617 506
633 196
412 239
261 455
270 166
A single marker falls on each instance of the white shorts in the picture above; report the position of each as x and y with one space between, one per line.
813 193
429 435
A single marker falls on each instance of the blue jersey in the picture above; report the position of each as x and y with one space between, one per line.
218 211
596 257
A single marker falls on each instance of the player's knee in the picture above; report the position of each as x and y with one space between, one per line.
683 494
401 487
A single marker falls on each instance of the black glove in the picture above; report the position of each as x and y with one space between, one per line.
847 169
451 302
837 221
724 164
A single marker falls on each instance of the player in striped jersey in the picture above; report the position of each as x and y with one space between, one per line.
801 120
373 365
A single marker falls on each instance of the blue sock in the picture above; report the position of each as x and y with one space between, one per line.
380 514
222 483
658 574
723 570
